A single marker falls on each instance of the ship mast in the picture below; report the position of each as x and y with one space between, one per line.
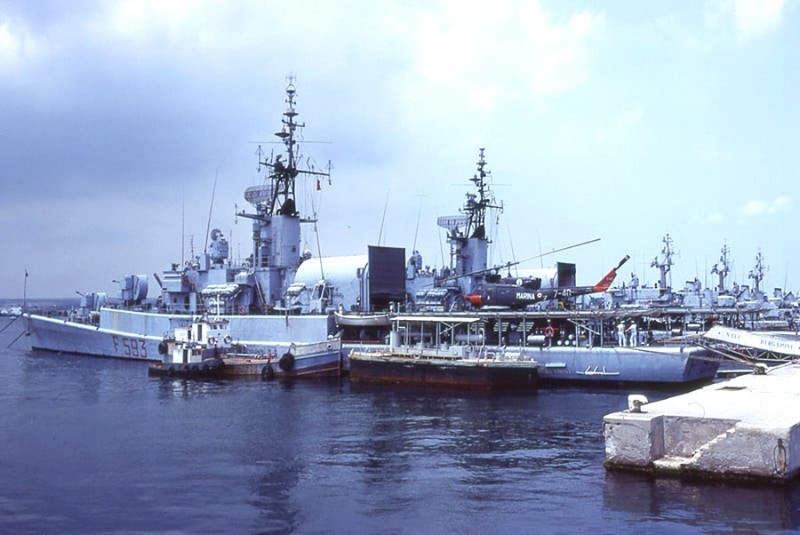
665 265
283 173
757 273
476 205
722 269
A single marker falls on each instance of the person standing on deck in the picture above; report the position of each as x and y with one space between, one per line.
621 334
634 334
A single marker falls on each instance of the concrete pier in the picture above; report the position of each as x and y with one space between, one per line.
746 428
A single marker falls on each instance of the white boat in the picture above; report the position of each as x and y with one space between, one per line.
196 350
363 320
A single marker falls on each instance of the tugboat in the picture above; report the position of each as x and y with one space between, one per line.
195 351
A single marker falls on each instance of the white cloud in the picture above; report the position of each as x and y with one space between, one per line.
715 218
781 203
486 53
17 46
9 45
754 17
757 207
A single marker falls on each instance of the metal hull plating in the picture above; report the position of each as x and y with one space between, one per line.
467 373
625 365
52 334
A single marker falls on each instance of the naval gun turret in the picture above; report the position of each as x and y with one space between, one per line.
133 289
218 250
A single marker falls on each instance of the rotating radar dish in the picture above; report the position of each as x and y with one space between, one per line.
452 222
256 195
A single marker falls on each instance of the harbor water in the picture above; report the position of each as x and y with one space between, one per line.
94 445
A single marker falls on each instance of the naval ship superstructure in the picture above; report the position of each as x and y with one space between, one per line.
444 290
468 282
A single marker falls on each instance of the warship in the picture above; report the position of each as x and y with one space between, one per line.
279 294
468 309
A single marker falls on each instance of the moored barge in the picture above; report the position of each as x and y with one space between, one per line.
437 368
465 364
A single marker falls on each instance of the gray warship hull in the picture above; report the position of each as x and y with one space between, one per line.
645 365
64 336
136 335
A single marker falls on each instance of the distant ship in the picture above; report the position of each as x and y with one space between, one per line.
736 305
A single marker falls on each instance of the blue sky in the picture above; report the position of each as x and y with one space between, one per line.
623 121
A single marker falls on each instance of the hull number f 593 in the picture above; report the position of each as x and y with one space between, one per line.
129 347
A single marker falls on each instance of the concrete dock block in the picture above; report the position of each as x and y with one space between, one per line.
746 428
633 439
767 453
